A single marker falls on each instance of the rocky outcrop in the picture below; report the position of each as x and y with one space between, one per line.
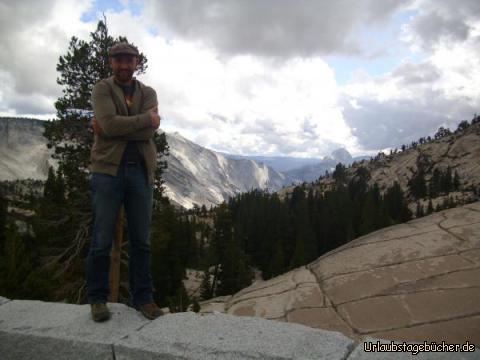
23 149
460 152
418 281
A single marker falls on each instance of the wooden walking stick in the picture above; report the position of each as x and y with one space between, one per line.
115 257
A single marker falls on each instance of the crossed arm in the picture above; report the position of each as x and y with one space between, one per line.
108 124
142 134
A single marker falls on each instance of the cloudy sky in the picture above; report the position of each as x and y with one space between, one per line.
267 77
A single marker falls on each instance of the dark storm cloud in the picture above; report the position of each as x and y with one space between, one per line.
444 20
433 27
275 28
411 74
379 125
218 117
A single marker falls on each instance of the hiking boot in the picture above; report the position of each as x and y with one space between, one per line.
151 311
100 312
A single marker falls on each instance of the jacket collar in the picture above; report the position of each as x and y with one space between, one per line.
118 92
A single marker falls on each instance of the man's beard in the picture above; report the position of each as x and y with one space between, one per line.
123 75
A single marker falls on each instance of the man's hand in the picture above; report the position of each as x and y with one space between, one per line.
154 117
96 128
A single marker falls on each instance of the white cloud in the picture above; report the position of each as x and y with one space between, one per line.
278 28
442 22
33 35
416 98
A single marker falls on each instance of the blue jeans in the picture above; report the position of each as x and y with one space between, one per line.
130 186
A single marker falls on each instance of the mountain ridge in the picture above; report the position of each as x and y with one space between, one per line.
195 175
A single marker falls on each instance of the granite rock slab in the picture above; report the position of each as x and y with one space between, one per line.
406 282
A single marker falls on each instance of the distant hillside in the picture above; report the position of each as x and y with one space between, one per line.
279 163
298 170
458 151
196 175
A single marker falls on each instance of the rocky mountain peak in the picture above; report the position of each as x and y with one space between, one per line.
342 155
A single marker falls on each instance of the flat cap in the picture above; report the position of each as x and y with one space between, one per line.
122 48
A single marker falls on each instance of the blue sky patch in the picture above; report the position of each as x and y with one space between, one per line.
383 51
101 6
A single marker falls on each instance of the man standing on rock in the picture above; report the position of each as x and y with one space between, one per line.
123 161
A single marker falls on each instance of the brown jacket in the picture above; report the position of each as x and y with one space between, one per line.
118 127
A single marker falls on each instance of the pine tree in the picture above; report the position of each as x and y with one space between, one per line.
206 291
419 212
475 119
463 125
180 301
49 187
442 132
445 203
384 219
456 181
305 243
298 258
447 181
451 202
417 185
435 183
53 222
235 273
15 264
430 207
168 269
195 305
394 200
3 221
232 270
339 174
368 214
396 204
277 266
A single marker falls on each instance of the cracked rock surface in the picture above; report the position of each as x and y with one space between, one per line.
418 281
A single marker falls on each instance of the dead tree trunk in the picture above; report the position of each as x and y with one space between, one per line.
115 257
